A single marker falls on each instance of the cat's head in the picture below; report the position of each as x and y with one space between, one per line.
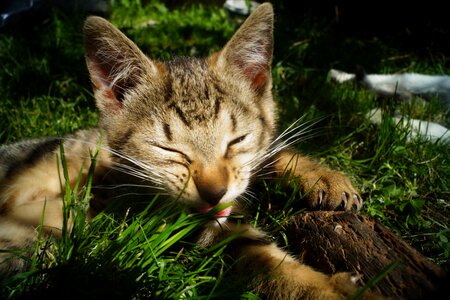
196 128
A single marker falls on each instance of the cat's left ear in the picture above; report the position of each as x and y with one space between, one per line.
249 52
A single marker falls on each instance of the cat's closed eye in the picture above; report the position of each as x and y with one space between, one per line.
236 140
186 158
230 151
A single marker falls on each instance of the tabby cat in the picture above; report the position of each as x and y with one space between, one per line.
199 130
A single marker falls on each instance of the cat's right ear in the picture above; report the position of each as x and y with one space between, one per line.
249 51
116 65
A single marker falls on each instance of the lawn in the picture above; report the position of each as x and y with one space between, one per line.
45 91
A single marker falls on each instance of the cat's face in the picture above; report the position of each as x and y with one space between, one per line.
198 129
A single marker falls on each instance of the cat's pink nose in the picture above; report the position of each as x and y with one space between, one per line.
212 195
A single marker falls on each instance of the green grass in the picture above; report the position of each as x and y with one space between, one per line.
45 90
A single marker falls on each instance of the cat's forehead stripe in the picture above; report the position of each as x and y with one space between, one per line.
217 107
168 89
233 123
192 91
180 113
263 121
167 131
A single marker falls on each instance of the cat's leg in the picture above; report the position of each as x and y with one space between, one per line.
19 231
282 277
16 242
34 196
45 213
323 188
28 203
34 205
31 202
20 226
276 274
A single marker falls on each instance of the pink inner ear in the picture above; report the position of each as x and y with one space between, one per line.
108 96
260 79
112 100
257 74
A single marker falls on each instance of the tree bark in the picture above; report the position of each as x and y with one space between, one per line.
341 241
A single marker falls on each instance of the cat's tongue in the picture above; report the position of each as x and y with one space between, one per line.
220 214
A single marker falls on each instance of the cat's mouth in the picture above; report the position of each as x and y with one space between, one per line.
218 211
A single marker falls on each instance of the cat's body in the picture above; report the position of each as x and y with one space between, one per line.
196 130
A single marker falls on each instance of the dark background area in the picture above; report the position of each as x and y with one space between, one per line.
414 24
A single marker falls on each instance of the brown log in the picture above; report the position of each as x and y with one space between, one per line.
341 241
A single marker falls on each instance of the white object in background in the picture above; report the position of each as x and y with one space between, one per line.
426 129
240 6
405 85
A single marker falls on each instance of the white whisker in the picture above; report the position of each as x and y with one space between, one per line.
266 174
136 194
293 134
127 185
143 170
250 194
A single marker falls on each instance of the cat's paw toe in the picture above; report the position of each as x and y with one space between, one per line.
332 191
350 202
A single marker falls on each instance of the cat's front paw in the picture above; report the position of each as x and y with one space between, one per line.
329 190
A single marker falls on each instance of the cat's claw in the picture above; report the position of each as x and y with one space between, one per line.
357 202
348 203
353 203
321 197
356 278
344 201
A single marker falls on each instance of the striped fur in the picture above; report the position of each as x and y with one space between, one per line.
196 130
